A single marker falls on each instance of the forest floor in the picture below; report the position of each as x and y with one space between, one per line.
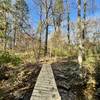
71 85
18 82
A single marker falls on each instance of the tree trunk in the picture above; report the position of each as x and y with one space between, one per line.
84 18
68 22
46 41
40 34
46 35
14 39
79 33
5 31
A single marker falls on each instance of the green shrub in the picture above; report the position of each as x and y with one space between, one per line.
15 60
98 49
59 52
6 57
64 52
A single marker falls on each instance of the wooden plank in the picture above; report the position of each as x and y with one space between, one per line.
45 88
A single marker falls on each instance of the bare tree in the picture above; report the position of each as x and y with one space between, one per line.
84 20
68 21
47 9
79 34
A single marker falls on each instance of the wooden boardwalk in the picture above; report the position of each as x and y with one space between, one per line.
45 88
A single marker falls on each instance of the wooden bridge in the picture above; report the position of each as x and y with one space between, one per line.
45 88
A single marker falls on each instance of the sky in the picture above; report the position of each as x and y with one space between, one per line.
34 13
